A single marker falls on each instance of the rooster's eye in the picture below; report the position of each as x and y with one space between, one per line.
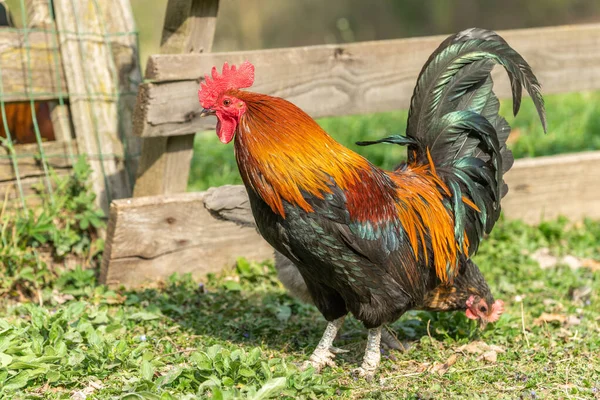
483 308
226 102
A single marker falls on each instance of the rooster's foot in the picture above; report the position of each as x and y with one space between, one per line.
319 359
367 374
372 355
324 353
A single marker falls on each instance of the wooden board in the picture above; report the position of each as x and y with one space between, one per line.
29 162
150 238
356 78
120 23
30 185
93 79
165 162
39 16
544 188
37 72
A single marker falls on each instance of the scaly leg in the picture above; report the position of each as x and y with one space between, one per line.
322 355
372 354
390 340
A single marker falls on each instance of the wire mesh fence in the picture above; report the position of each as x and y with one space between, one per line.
69 73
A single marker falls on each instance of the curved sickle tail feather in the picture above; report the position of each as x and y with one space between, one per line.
454 117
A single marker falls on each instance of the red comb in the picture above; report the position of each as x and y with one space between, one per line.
230 78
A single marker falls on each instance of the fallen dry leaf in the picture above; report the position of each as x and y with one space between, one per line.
567 320
479 347
555 305
571 261
78 395
546 259
581 294
440 368
573 320
61 298
88 390
490 356
488 353
547 317
591 264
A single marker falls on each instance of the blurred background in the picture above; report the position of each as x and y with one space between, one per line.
573 119
260 24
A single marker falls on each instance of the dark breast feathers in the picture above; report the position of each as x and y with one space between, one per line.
364 258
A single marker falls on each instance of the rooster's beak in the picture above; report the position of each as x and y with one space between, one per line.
206 111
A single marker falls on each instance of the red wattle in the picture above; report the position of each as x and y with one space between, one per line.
225 128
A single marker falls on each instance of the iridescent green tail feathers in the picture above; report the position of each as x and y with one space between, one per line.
454 116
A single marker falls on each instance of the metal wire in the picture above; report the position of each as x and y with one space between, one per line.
61 96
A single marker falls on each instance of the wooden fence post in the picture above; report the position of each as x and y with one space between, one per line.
165 161
97 69
39 16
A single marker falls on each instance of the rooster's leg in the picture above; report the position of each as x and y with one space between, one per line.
323 355
372 354
390 340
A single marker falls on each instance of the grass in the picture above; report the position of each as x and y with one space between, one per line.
239 335
573 125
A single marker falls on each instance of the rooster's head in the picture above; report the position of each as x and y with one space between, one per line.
217 96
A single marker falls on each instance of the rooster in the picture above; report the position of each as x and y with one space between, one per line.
367 241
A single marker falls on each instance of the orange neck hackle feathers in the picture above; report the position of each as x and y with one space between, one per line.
282 152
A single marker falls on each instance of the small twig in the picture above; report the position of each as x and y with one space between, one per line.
428 332
411 374
402 376
475 369
523 324
393 334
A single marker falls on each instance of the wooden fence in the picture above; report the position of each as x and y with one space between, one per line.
82 57
170 231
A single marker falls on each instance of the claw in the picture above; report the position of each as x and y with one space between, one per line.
367 374
319 359
337 350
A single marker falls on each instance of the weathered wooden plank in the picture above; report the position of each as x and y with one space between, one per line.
153 237
31 196
356 78
204 232
120 23
544 188
39 16
165 163
29 162
93 84
34 73
61 122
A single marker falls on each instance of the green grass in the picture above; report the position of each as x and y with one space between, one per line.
240 335
573 125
